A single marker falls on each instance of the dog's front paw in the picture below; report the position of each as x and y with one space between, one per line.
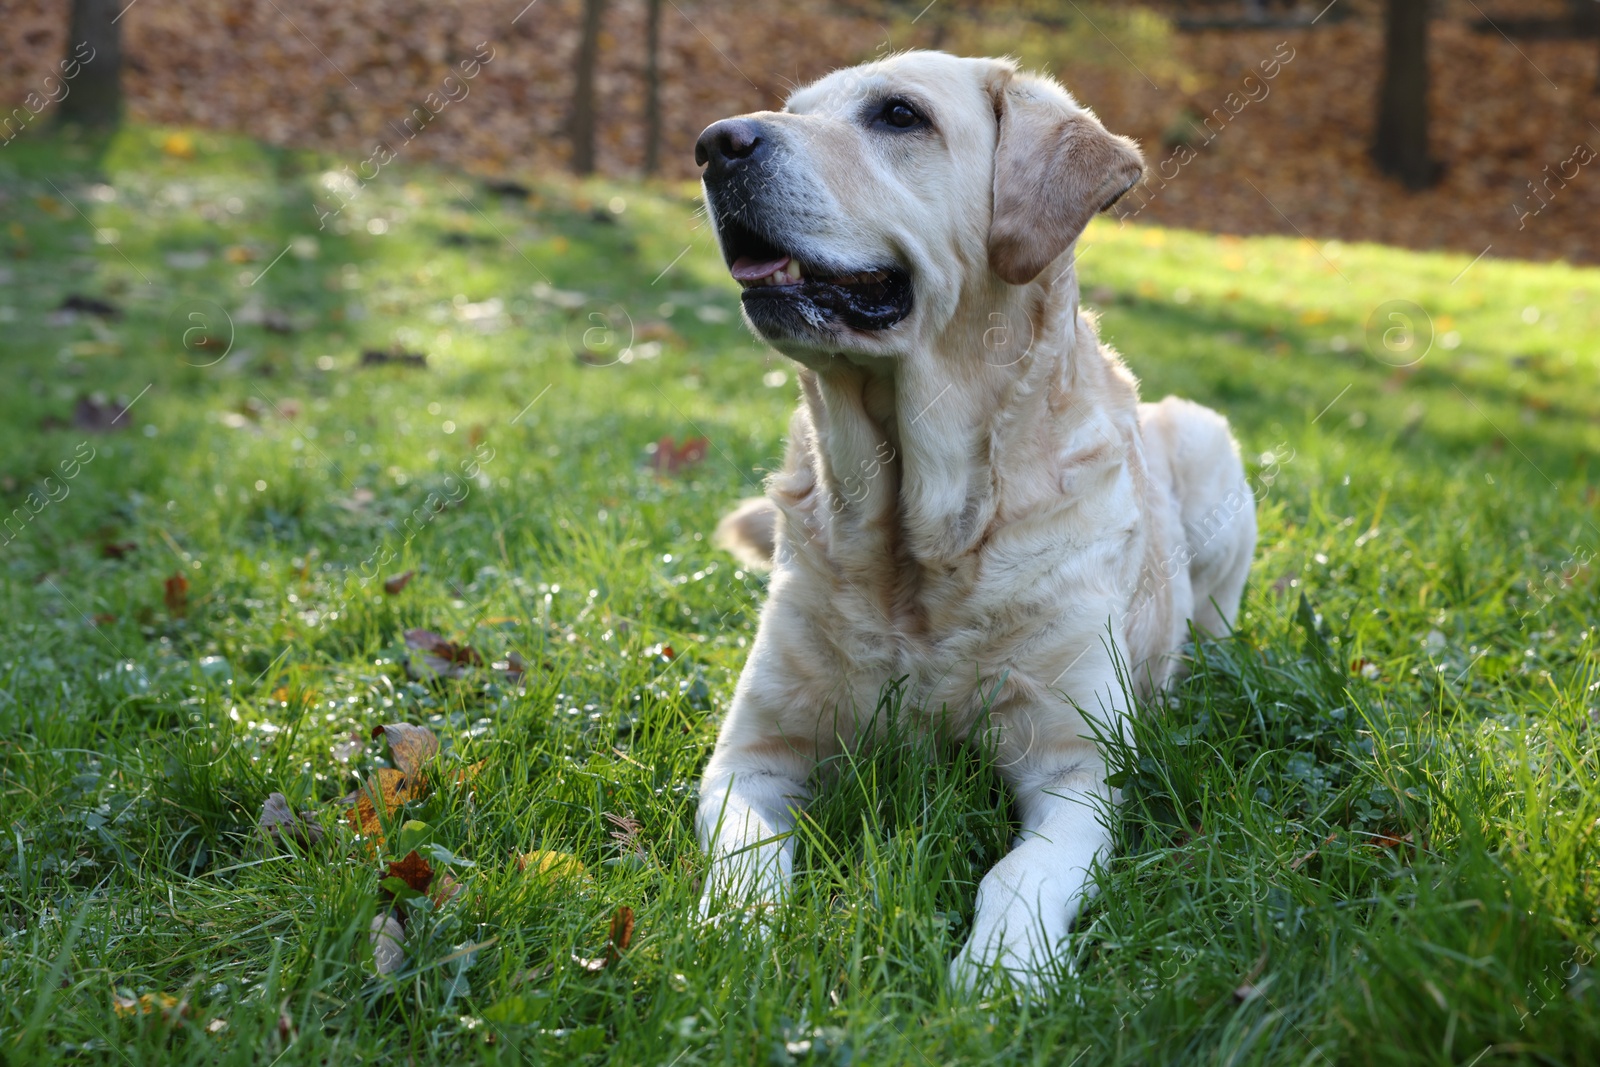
721 913
1033 969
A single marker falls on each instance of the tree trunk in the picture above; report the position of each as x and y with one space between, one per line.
652 90
583 109
1401 146
94 44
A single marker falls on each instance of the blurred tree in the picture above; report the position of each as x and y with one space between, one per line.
95 99
583 109
1585 15
1586 18
652 89
1400 148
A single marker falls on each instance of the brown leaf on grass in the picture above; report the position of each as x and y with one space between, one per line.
513 666
620 935
96 414
150 1004
1301 859
442 657
281 823
1388 840
118 549
90 305
398 582
467 773
392 787
445 888
388 940
411 747
1247 990
177 595
668 457
413 870
621 932
376 357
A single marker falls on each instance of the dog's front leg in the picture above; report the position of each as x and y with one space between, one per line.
748 800
1028 901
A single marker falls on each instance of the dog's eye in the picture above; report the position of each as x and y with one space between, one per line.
899 115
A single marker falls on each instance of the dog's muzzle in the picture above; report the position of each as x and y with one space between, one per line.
790 290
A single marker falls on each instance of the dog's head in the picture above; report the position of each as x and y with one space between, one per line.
860 217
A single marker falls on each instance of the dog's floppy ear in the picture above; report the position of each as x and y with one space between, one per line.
1055 167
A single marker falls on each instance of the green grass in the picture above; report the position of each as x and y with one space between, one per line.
1362 832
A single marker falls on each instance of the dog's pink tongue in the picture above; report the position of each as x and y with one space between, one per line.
746 269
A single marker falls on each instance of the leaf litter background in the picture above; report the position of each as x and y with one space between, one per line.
338 75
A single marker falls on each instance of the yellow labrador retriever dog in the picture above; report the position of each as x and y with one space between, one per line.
973 497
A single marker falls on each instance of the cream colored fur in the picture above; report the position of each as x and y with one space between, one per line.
974 499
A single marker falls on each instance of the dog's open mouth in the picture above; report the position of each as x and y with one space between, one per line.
779 286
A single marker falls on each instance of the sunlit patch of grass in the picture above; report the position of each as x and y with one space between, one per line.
1362 829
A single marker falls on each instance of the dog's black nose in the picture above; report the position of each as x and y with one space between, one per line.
726 146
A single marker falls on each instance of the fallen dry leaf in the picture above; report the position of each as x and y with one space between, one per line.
1247 990
94 413
543 862
620 935
670 457
1387 840
388 939
90 305
442 657
177 595
467 773
178 145
375 357
392 787
411 747
621 931
398 582
281 823
149 1004
445 888
413 870
513 666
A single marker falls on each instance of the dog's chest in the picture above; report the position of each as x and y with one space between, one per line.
1018 612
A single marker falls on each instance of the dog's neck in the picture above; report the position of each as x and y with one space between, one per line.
941 442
